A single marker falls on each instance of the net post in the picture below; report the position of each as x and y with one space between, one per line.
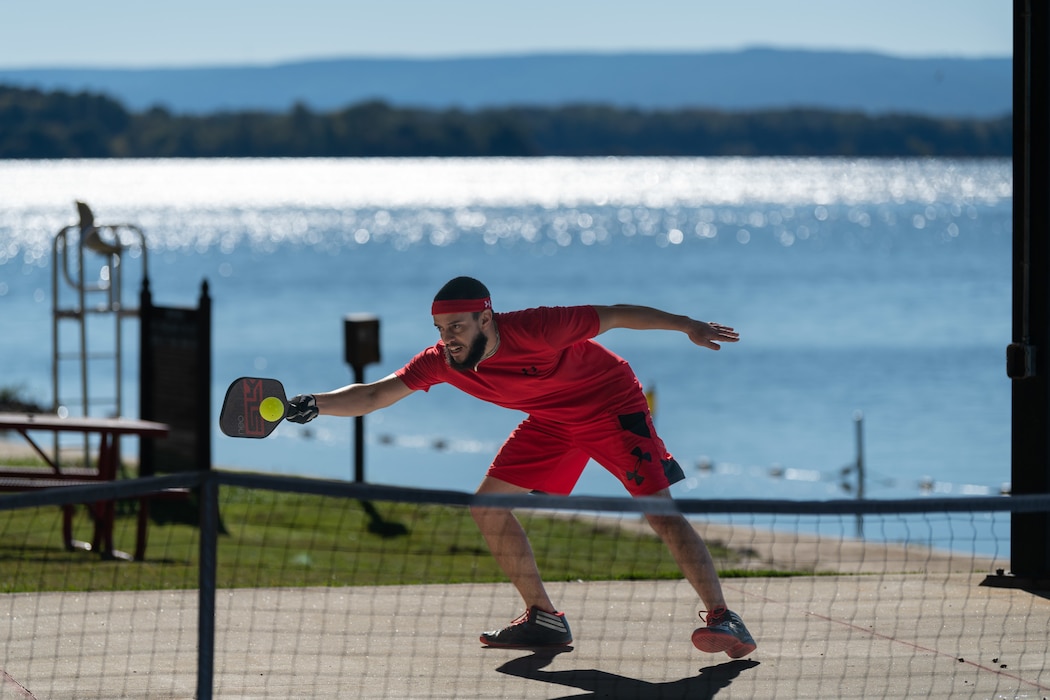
209 534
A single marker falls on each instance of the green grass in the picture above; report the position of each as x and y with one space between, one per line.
274 539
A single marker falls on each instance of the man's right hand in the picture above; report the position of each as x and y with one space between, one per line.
301 409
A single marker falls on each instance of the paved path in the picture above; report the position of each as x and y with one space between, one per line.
867 636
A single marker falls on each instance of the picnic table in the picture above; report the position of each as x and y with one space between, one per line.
106 468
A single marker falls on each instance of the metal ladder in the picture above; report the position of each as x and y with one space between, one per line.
87 273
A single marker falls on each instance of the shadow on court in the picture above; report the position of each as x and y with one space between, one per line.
602 684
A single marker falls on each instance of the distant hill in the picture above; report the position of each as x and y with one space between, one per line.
37 124
755 79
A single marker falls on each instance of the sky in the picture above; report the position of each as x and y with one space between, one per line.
145 34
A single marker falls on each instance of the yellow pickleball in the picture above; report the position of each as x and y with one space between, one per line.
272 409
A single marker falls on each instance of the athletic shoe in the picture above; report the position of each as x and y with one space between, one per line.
725 631
535 628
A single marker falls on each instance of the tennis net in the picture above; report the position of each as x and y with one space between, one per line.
272 586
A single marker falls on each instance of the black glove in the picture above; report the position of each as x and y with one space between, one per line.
301 409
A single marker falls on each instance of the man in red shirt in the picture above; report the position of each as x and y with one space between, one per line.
582 402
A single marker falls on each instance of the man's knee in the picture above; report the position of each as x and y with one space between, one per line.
493 520
483 513
669 526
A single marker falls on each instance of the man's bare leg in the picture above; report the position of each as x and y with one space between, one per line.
691 554
510 545
725 631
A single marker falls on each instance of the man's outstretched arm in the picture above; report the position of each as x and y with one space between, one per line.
708 335
350 400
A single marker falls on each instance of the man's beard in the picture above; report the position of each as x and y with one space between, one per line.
474 355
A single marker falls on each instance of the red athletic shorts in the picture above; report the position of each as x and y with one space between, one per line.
549 457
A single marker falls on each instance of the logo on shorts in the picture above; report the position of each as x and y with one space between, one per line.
640 457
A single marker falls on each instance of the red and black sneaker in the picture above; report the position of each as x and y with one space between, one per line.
725 631
535 628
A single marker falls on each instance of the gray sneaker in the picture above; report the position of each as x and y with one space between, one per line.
725 631
535 628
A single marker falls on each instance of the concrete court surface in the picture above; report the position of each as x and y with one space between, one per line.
844 636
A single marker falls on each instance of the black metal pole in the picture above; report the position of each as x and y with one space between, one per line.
361 338
203 379
858 419
359 434
209 524
1028 356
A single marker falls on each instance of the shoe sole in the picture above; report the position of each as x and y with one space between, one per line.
713 642
549 645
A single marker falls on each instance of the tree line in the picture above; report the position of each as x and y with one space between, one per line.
40 125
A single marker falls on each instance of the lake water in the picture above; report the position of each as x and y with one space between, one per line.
873 286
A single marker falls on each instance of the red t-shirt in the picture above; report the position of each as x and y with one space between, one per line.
546 365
